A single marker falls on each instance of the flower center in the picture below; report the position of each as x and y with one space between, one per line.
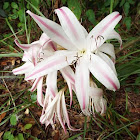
82 52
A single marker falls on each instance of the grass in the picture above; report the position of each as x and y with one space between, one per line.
113 125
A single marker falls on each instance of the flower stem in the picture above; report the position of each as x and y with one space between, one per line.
111 6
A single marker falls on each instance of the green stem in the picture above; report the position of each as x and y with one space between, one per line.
11 55
25 21
11 28
111 6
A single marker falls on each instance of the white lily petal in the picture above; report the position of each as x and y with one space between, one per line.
108 49
50 110
40 98
70 25
114 35
47 43
82 85
51 83
108 61
43 39
66 116
53 63
103 73
34 86
103 104
53 30
100 32
23 46
26 57
59 112
68 74
25 68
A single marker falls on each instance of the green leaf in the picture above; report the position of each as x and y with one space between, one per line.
138 136
116 2
131 1
91 16
2 13
127 22
5 5
14 5
75 7
122 3
13 119
13 16
11 137
49 2
27 126
126 8
21 15
14 11
63 1
33 97
35 3
137 81
6 135
20 136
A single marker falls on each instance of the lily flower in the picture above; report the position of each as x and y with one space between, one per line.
56 110
88 51
96 101
34 53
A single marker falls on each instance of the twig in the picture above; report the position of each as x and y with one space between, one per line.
9 92
128 45
11 35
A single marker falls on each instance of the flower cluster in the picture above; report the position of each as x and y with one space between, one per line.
82 56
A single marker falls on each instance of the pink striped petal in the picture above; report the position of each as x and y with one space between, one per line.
34 86
59 112
40 98
51 83
25 68
101 31
50 110
103 73
68 74
58 61
70 25
53 30
43 39
108 61
23 46
82 85
66 116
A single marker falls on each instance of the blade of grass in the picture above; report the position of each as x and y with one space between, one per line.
128 131
11 55
12 30
25 23
111 6
120 129
97 123
37 123
35 8
75 136
10 46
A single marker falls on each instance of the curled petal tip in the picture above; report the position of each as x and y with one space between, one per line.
28 11
121 47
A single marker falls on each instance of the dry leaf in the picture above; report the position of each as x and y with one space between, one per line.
2 116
